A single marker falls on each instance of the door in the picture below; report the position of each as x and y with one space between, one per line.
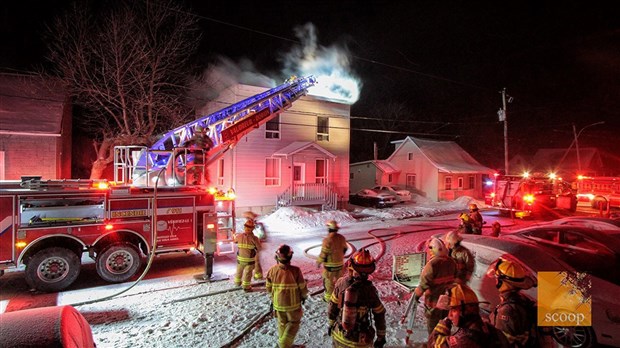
299 179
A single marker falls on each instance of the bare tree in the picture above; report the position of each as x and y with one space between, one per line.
126 67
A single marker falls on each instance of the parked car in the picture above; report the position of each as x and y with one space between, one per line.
400 193
605 327
373 198
585 249
593 222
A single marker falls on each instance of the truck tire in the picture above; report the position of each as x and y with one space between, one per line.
599 203
118 262
52 269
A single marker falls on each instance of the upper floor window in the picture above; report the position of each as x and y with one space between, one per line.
410 156
322 129
272 128
321 171
220 172
272 172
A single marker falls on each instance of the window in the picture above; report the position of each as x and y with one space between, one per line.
390 178
322 129
472 182
272 172
410 156
220 172
351 176
321 171
411 181
273 128
448 183
460 182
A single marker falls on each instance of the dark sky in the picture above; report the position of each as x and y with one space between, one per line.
444 62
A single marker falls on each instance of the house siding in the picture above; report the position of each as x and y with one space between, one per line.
29 155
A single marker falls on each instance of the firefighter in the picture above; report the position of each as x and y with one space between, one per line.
466 223
250 219
462 256
199 144
476 219
288 291
515 315
437 275
248 246
496 229
332 258
463 326
353 301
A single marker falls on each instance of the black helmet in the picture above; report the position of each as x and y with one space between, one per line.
284 253
363 263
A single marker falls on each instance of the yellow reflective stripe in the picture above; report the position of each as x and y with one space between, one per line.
245 259
286 308
378 309
333 264
246 246
338 336
285 286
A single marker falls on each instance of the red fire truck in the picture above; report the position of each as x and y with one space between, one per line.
149 208
602 192
528 194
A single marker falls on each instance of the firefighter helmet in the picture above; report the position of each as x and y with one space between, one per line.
510 274
198 128
452 238
363 263
473 207
437 247
249 225
461 295
332 226
284 253
250 215
465 218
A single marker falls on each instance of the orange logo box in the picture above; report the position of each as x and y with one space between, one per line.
564 299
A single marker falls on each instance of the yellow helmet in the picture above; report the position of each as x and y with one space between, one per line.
510 274
473 207
452 238
465 217
198 128
363 263
461 295
332 226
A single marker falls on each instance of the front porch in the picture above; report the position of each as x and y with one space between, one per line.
309 194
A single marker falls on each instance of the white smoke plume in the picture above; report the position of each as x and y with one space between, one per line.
330 65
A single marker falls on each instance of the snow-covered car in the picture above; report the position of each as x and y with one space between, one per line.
373 198
605 327
400 193
585 249
593 222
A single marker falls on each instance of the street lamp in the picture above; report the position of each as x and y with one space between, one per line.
576 141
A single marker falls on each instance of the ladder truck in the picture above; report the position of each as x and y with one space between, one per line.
47 226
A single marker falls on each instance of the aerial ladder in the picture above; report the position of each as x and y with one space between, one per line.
167 160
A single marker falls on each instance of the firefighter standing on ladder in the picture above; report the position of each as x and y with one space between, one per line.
332 257
248 246
353 305
288 291
199 144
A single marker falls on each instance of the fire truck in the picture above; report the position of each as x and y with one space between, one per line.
531 194
603 192
48 226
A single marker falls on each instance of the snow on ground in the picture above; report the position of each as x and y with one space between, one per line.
181 312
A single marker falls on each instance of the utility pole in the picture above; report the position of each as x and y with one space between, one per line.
577 148
503 116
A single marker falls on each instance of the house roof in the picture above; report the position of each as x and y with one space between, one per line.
29 104
447 156
383 165
298 146
554 159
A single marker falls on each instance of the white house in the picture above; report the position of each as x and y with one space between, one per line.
440 170
300 157
370 173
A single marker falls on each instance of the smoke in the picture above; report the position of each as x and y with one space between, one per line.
330 65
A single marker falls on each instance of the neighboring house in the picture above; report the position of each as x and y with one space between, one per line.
300 157
35 128
439 170
368 174
568 163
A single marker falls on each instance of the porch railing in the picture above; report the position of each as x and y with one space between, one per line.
309 194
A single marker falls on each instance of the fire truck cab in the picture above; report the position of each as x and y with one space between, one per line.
525 195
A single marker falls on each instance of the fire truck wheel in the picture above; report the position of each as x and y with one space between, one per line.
118 263
52 269
599 203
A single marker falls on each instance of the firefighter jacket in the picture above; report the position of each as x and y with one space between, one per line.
248 246
286 286
332 251
368 302
515 317
476 334
465 263
437 275
477 220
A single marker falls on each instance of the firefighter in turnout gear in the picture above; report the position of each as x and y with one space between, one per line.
476 219
354 304
437 275
332 258
463 327
287 289
515 316
199 144
463 257
250 217
248 246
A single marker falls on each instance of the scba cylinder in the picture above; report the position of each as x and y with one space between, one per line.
349 310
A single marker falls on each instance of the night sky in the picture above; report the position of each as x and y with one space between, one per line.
441 64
